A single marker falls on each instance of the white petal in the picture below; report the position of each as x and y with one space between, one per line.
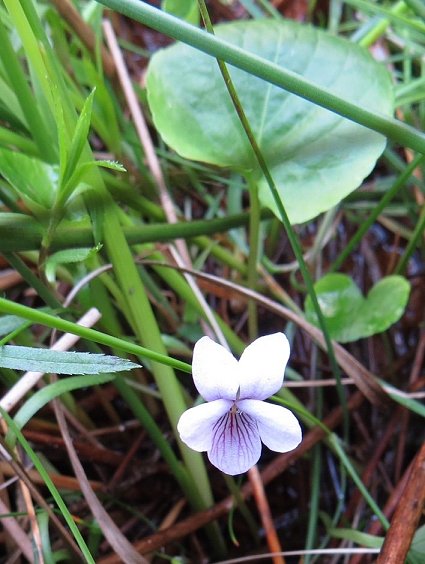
236 444
278 427
262 366
215 371
195 426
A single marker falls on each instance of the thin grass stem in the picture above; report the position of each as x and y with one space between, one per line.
413 241
366 224
254 240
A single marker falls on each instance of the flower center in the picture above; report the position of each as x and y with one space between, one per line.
234 410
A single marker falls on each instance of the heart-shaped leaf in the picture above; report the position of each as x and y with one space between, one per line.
349 316
316 157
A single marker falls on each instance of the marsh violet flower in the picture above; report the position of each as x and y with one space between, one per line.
231 426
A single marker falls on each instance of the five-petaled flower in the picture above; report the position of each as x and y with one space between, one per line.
231 426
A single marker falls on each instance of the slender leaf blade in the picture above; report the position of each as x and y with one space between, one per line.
52 391
9 323
67 362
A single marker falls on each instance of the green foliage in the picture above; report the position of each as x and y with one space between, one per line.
68 362
50 485
415 554
9 323
349 315
54 390
78 141
185 9
417 550
68 256
364 539
316 158
33 180
403 399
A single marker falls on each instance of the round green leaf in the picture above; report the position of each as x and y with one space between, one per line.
349 315
316 157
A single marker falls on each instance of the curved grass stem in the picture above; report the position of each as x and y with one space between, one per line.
254 239
386 199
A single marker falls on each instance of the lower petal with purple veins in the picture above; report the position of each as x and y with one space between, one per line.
196 424
277 426
236 444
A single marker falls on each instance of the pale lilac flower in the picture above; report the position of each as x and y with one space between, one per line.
231 426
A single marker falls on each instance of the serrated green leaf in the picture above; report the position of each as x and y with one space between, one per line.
52 391
349 316
47 360
315 156
113 165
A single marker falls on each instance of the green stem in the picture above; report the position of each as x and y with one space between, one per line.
392 15
418 232
32 280
311 537
110 319
19 232
335 444
177 282
417 6
50 485
316 470
147 331
54 220
271 72
254 237
365 225
42 318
